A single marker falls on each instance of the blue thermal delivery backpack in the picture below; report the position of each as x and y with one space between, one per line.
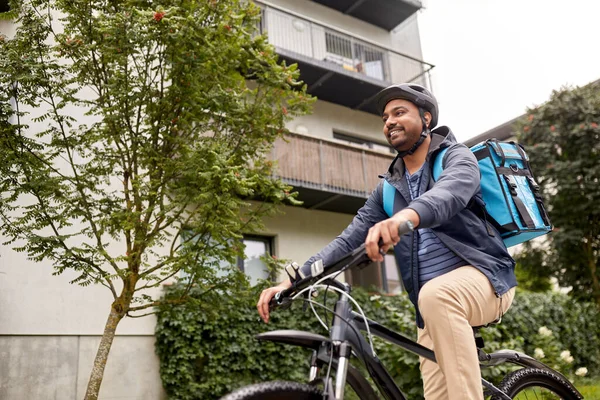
513 202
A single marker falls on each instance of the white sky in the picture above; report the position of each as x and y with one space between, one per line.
495 58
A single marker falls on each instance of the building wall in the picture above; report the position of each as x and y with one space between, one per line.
57 367
302 26
300 233
50 329
7 28
406 38
329 117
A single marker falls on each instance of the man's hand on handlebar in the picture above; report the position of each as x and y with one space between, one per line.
267 295
385 233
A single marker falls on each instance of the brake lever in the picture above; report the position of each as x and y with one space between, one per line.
293 272
280 303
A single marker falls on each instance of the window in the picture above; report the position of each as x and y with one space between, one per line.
4 6
252 265
391 277
382 275
363 142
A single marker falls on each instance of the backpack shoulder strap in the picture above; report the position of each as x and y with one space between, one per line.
389 192
438 164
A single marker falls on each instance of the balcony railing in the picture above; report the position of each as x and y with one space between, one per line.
328 166
292 33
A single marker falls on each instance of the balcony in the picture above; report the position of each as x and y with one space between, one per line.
385 14
328 175
338 67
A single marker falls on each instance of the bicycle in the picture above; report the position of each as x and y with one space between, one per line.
345 340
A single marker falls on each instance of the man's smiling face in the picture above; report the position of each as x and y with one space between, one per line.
402 124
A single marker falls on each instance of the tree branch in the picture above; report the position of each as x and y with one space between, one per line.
78 185
156 304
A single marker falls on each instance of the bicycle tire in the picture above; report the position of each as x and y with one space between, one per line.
276 390
528 382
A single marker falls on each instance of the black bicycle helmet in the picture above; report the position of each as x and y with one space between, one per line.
416 94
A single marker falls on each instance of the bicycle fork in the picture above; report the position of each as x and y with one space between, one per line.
340 348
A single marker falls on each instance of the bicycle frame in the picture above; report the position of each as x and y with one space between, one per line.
375 368
344 339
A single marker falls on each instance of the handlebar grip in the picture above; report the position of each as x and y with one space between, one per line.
405 227
282 299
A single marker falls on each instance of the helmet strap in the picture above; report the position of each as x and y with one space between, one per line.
423 120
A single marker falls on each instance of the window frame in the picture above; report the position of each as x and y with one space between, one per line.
4 6
268 240
382 279
239 263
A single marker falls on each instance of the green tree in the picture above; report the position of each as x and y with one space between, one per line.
532 272
181 103
563 140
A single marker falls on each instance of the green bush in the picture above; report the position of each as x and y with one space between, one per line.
574 325
207 349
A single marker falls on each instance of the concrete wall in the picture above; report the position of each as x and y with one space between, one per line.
300 233
406 38
328 117
58 368
7 28
33 302
50 329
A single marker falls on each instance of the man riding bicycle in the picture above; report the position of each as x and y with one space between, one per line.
454 266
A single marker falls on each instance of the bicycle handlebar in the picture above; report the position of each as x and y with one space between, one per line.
354 258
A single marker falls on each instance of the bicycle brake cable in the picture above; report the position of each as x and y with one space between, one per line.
361 312
354 329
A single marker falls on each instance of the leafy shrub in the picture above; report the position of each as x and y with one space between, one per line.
207 349
575 326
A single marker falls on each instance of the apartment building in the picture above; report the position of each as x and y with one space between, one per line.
347 50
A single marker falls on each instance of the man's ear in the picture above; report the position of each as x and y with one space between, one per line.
427 117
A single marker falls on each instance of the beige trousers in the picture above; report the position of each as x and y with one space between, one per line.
451 305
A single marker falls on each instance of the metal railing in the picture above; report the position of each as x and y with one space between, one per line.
293 33
326 165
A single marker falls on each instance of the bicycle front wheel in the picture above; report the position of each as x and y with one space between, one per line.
276 390
533 383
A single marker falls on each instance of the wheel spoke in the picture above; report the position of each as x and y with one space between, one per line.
536 393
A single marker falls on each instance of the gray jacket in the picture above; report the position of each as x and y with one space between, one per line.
447 206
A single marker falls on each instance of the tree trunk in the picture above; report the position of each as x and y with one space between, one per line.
97 374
